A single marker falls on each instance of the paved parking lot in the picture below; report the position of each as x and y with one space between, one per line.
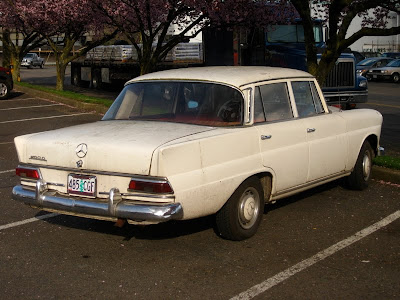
326 243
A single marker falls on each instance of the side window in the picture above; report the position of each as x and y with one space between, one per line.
276 103
259 116
305 95
317 100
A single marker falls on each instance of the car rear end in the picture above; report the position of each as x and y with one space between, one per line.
6 82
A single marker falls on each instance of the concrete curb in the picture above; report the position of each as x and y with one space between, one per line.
378 173
87 107
385 174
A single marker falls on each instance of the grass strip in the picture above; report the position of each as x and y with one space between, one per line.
68 94
389 162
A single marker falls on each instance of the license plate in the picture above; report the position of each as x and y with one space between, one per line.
82 185
375 76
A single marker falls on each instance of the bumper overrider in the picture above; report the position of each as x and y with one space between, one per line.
115 207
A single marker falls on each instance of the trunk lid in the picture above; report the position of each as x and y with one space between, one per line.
113 146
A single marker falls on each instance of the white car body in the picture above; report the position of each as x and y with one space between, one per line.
203 164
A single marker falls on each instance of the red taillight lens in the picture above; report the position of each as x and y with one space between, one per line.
156 187
27 172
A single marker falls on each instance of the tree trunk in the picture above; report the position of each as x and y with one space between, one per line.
16 62
60 67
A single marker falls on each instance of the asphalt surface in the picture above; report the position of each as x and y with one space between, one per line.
321 244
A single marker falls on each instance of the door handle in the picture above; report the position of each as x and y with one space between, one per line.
310 130
266 137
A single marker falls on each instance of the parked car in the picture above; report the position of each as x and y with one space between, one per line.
32 60
390 72
371 62
186 143
391 54
6 82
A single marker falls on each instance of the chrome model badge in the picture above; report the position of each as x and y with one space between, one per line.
81 150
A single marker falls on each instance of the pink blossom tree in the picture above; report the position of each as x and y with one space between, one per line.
26 39
145 23
62 23
338 14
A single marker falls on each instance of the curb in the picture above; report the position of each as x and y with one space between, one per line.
385 174
86 107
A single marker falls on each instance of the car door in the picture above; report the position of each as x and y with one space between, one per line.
283 140
326 132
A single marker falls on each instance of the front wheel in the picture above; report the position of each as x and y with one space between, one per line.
42 65
241 215
359 178
396 78
4 90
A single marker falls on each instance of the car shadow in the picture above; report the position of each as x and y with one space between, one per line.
170 229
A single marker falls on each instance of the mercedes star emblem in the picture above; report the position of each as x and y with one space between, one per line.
81 150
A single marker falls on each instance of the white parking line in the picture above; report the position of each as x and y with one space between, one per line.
282 276
23 99
34 106
7 171
15 224
43 118
6 143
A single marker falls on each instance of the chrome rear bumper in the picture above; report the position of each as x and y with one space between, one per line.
114 208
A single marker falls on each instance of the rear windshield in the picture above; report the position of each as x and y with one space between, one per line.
394 63
180 102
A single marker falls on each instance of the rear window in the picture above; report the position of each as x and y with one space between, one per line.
197 103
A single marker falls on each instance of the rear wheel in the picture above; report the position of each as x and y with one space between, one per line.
4 90
42 65
241 215
359 178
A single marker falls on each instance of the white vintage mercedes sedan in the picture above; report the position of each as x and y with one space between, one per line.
186 143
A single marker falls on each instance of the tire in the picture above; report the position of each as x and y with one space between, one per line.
361 174
4 90
396 78
241 215
42 65
96 80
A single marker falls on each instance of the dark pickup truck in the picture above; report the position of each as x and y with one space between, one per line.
6 82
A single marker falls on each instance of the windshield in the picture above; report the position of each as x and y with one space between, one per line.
29 55
366 62
394 63
291 34
180 102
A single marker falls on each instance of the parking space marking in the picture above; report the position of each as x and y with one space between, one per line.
286 274
15 224
7 171
34 106
6 143
23 99
386 105
43 118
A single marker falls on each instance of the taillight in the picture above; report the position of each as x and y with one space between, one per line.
27 172
150 186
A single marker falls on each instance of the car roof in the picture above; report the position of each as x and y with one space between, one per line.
233 75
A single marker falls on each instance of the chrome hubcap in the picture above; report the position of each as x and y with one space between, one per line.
3 89
249 208
367 164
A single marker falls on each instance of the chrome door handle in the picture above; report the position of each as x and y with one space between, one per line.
310 130
266 137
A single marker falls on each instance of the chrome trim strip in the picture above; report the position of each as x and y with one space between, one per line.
84 171
115 207
156 196
310 183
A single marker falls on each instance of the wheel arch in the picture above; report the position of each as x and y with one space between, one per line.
373 141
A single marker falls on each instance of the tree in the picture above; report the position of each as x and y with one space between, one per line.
145 23
13 51
339 14
62 23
